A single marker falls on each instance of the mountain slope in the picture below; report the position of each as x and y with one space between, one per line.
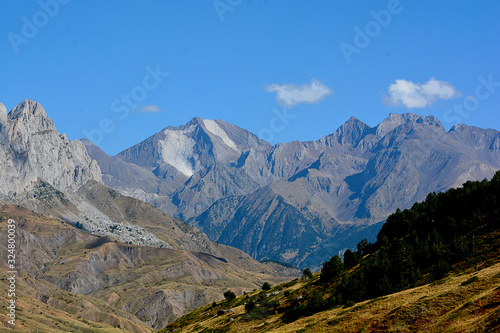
350 179
465 302
434 268
80 277
265 226
193 164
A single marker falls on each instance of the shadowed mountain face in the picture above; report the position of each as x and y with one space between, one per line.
299 201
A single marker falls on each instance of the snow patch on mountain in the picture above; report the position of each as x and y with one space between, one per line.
213 128
177 150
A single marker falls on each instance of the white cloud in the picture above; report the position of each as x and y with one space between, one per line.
416 95
149 108
290 95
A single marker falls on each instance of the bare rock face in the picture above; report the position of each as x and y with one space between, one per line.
31 149
299 202
194 165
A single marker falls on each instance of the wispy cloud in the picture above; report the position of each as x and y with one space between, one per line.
417 95
290 95
149 108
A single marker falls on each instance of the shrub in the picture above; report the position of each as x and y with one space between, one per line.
229 295
349 303
250 306
307 274
469 281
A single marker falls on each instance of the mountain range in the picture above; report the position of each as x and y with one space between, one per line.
108 246
298 202
113 259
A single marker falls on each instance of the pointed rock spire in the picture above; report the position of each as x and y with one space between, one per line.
35 151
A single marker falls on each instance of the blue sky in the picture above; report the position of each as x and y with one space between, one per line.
120 71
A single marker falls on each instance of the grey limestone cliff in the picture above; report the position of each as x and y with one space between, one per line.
31 149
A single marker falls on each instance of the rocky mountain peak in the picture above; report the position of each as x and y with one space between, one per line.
27 118
475 136
394 120
195 121
354 122
193 147
33 150
391 122
415 118
350 132
31 115
458 128
27 109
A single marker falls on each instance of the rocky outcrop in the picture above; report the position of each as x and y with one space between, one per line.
31 149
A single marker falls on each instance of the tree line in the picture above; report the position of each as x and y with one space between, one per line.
415 246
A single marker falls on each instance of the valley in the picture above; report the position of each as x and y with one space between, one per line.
99 249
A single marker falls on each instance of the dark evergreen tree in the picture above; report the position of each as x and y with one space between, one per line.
350 259
331 269
229 295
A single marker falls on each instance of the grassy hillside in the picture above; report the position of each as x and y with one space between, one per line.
40 304
464 302
434 267
69 280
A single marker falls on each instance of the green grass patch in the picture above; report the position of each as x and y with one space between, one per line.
466 305
335 321
349 304
469 281
453 317
216 330
377 299
394 310
359 307
438 282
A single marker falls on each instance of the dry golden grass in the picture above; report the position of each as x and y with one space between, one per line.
62 311
459 303
140 270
